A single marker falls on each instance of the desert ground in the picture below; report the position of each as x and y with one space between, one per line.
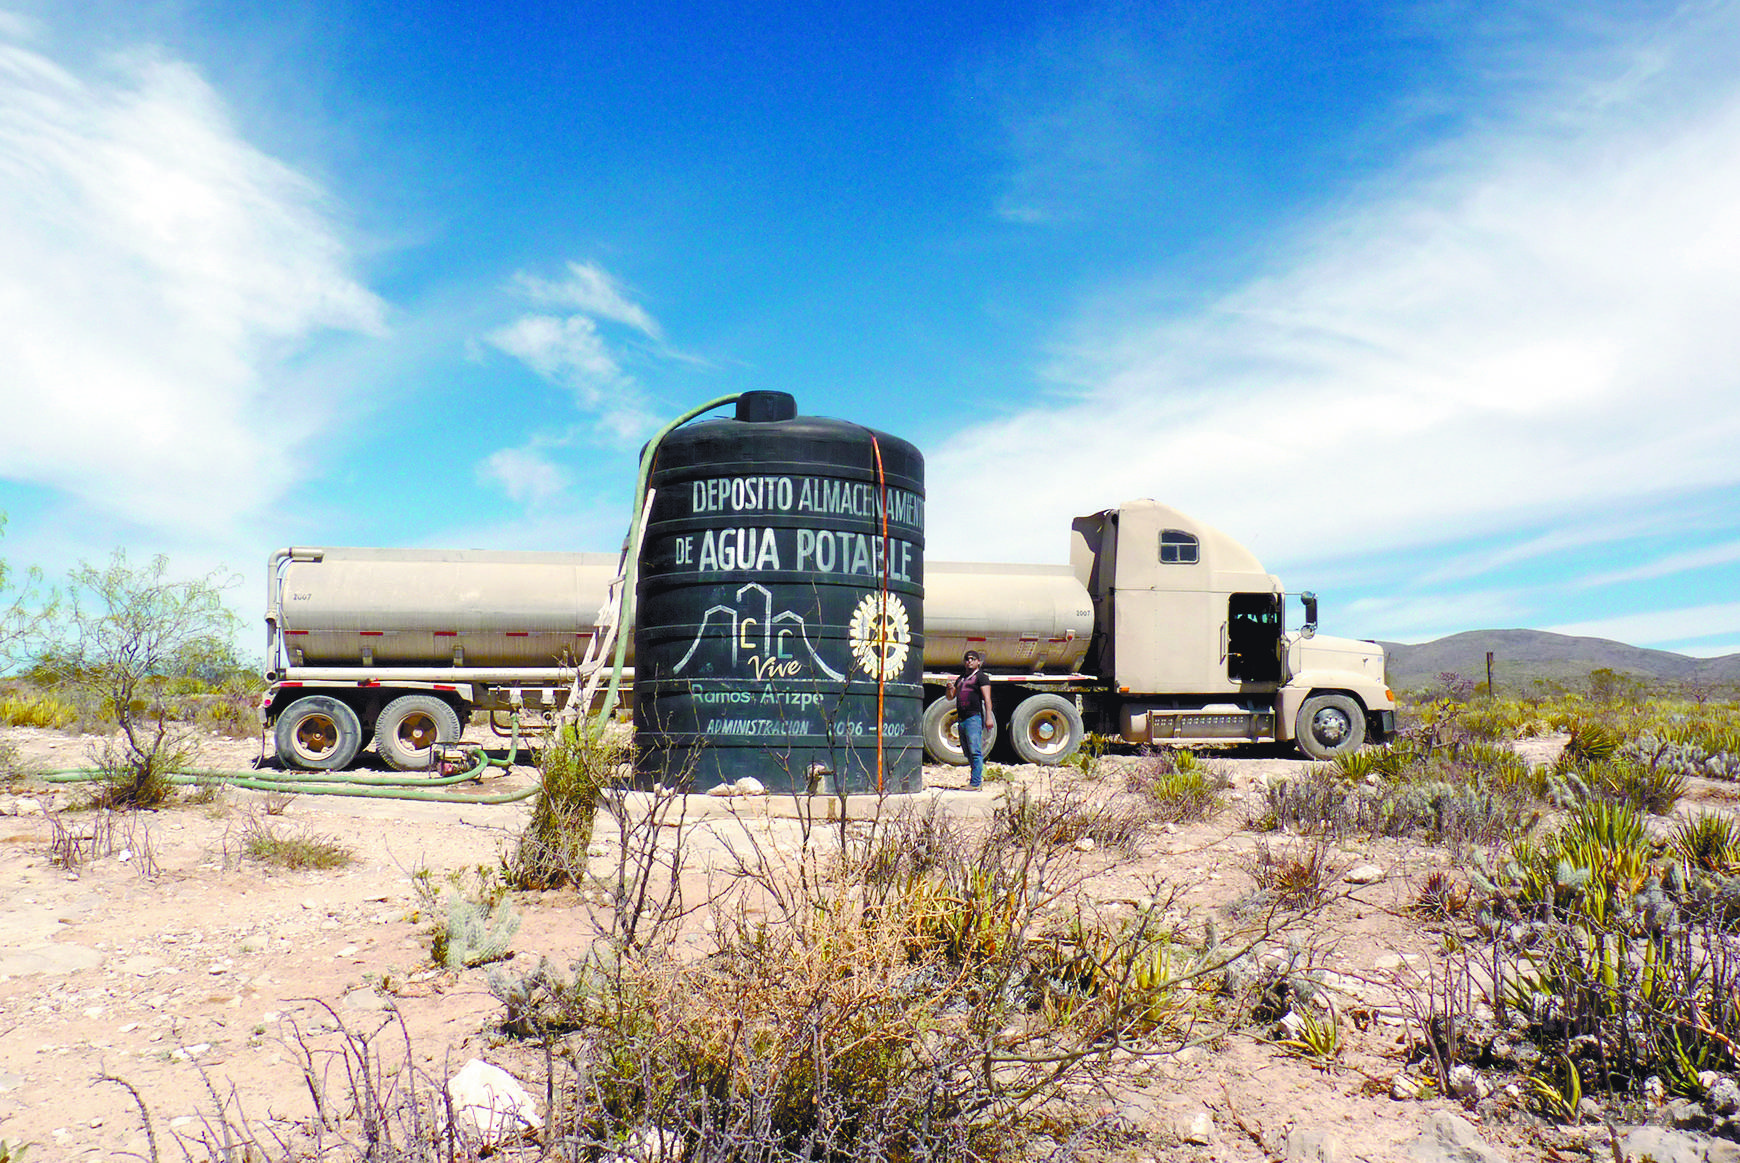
170 975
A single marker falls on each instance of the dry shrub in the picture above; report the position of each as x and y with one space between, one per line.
296 851
1296 876
14 767
1459 796
1071 815
78 838
900 988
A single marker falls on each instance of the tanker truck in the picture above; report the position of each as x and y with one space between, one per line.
1160 630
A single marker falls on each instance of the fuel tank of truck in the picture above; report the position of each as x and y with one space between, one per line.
438 607
1024 618
486 608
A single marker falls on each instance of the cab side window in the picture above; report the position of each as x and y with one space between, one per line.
1178 547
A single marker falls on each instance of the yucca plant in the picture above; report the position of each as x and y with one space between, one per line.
1441 896
1709 842
1318 1037
1191 794
1559 1099
1592 741
1598 858
1645 786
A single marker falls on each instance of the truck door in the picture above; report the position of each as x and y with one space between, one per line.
1253 628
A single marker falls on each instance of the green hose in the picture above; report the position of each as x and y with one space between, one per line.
310 788
625 611
392 787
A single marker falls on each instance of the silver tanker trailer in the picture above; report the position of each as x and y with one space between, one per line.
1160 630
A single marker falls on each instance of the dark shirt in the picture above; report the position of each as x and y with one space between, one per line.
970 693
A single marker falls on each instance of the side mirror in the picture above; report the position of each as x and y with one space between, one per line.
1310 626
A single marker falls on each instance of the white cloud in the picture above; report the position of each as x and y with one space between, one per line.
573 351
17 26
1659 626
1710 650
1530 324
1555 541
524 475
570 350
591 290
155 271
1423 617
1673 563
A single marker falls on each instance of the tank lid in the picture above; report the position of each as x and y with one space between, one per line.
765 407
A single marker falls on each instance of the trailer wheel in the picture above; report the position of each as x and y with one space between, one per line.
1045 729
409 728
317 733
942 735
1329 726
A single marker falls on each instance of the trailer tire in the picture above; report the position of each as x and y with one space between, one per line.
1329 726
317 733
1045 729
942 737
410 727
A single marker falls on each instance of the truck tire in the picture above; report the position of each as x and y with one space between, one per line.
942 738
409 728
1329 726
317 733
1045 729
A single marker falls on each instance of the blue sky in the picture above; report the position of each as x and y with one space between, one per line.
1434 305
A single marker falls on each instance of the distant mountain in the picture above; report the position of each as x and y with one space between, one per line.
1519 657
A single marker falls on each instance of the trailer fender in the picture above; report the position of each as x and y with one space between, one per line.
363 697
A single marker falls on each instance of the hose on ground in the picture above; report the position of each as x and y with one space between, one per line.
404 786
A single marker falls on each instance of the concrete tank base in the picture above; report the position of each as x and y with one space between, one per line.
815 808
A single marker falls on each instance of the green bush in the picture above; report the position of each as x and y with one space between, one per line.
135 632
574 769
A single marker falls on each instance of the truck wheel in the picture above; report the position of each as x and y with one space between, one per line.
409 728
317 733
942 736
1328 726
1045 729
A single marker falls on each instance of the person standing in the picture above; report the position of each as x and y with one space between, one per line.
973 718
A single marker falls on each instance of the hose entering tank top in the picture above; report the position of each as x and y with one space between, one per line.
631 561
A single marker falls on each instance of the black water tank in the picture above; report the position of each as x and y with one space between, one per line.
779 620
